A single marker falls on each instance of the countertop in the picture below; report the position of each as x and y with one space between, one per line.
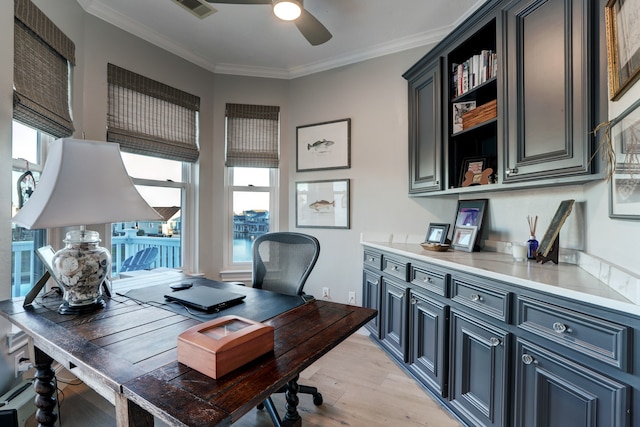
566 280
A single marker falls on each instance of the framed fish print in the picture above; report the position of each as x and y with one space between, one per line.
322 204
323 146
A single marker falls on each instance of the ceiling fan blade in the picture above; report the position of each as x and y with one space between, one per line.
312 29
240 1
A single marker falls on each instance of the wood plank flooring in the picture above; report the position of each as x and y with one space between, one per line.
360 384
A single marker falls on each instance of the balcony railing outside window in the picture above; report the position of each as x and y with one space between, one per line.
23 257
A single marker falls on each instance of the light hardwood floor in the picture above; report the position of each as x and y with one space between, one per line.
360 384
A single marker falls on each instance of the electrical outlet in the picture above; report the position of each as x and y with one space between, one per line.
16 364
352 298
325 293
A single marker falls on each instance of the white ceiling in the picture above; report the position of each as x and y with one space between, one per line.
250 40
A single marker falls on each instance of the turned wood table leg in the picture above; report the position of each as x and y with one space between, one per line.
45 388
292 418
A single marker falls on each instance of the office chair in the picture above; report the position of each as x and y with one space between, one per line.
282 261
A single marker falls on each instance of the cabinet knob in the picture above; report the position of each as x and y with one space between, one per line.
394 268
494 342
527 359
560 328
476 297
372 259
376 283
511 171
427 279
414 301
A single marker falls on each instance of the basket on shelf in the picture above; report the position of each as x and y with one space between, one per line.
479 114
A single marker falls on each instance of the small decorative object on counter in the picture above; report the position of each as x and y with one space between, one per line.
81 267
532 243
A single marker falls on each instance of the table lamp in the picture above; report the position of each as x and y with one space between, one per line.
82 183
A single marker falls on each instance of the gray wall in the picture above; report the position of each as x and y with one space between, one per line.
371 93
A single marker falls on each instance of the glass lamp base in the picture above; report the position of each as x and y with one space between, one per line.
66 308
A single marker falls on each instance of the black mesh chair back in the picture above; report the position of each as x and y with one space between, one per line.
282 261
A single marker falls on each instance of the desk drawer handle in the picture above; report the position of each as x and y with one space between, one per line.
527 359
476 297
394 268
372 259
427 279
560 328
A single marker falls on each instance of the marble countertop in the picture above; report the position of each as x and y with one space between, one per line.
566 280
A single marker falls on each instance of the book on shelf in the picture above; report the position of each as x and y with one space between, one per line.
459 110
473 72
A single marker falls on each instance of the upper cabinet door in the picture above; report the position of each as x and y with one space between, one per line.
548 70
425 130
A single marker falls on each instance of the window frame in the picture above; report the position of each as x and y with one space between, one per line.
188 213
242 270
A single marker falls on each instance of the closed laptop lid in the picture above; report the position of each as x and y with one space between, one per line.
205 298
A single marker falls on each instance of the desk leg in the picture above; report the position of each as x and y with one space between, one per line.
128 414
45 388
292 418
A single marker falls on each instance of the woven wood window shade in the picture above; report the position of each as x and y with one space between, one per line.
43 56
148 117
252 135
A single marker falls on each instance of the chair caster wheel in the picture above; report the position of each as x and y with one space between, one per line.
260 406
317 399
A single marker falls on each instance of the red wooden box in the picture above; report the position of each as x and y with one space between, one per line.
219 346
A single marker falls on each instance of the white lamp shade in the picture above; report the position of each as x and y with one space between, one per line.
83 183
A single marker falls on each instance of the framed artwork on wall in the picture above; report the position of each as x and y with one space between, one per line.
323 146
322 204
624 190
623 45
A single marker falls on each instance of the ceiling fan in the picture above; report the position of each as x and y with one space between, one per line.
309 26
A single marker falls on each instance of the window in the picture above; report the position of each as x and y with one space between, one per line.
252 200
160 182
252 157
157 128
27 153
42 69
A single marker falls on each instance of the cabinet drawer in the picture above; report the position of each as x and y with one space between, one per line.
428 279
482 297
395 268
372 259
592 336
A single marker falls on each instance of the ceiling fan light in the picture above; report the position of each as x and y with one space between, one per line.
287 10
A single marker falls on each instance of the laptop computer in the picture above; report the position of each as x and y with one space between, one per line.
205 298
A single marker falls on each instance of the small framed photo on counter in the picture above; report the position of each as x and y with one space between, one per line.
464 238
437 233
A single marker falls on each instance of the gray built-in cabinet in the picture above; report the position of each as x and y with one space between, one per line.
543 63
498 354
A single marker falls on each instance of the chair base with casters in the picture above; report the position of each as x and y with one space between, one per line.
282 262
292 401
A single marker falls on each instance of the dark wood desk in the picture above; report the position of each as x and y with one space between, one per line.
127 353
